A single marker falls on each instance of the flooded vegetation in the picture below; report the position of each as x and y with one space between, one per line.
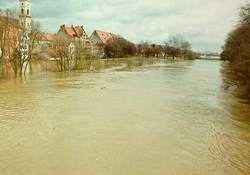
236 52
126 117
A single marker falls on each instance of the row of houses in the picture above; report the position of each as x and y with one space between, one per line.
77 34
16 34
46 47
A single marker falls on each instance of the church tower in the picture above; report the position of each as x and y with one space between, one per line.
25 19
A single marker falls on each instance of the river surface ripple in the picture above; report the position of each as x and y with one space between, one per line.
156 118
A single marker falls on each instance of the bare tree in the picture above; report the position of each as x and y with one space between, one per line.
34 36
63 53
9 39
175 41
16 44
177 46
245 14
82 54
4 33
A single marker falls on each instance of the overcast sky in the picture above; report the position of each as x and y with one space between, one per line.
204 23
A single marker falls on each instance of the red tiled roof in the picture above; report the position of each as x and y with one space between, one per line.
106 37
50 37
70 31
77 31
47 37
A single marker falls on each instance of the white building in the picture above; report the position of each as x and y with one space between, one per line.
25 21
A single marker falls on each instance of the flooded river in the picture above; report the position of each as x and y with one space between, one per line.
145 118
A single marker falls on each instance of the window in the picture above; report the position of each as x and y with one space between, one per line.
28 12
22 11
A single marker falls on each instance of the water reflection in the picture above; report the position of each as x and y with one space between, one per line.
232 84
130 116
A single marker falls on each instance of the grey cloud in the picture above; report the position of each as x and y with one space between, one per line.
204 22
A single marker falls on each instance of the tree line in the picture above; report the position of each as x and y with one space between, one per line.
175 47
236 52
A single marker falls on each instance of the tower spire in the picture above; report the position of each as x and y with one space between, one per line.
25 18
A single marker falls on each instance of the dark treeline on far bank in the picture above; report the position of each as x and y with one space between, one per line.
174 47
236 52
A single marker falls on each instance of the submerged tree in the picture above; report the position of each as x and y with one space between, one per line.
83 56
237 51
10 42
119 47
177 46
34 37
62 52
16 44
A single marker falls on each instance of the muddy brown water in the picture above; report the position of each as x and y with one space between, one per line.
149 118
